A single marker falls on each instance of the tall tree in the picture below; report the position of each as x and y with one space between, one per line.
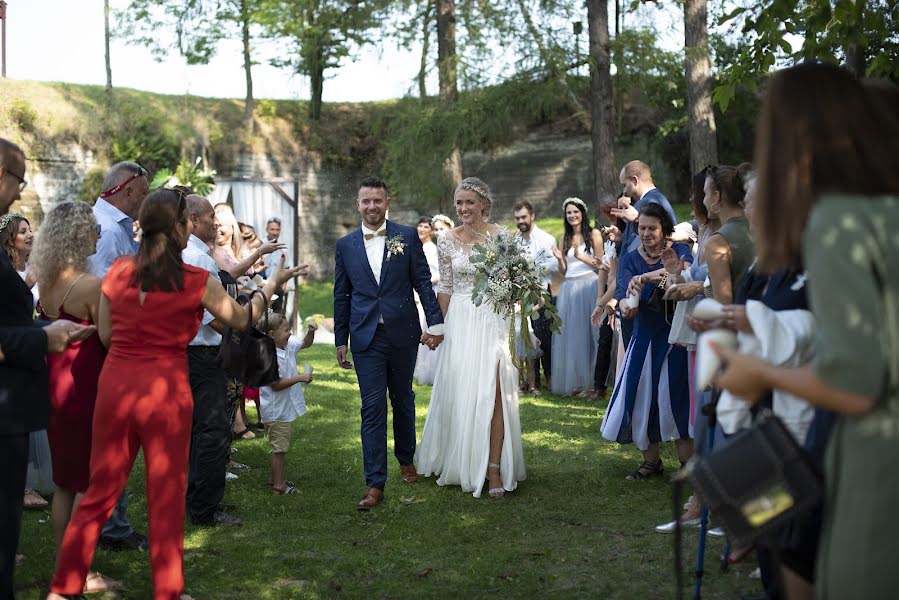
700 115
322 33
197 27
106 37
447 63
605 175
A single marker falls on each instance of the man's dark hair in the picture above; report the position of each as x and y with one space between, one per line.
523 204
373 182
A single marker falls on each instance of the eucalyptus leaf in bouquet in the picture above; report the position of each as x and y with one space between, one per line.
506 277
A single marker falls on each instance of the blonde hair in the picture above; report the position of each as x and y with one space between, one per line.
275 320
227 219
65 240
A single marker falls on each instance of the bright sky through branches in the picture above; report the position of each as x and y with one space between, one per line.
62 40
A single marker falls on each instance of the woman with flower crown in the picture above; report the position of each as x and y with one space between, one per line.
473 431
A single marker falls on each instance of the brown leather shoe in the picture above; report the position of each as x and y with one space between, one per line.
408 473
372 498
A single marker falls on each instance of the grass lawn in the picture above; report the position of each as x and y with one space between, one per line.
574 529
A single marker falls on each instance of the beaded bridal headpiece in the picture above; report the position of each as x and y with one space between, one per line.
473 184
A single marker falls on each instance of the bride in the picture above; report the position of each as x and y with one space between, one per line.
472 431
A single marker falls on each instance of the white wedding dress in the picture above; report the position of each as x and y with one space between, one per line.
455 442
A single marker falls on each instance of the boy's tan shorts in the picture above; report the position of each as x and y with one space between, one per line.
278 436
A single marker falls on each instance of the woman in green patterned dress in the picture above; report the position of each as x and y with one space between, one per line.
828 195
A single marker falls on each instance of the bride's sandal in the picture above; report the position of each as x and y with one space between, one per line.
495 492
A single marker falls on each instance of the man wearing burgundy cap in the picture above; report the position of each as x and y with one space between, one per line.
124 190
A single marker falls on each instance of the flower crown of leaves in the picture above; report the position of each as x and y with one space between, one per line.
477 189
6 219
573 200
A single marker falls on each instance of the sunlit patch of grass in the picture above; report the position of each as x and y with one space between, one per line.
575 528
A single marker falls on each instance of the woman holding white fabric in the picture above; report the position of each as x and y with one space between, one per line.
426 362
473 430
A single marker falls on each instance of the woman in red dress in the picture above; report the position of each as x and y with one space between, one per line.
68 291
150 308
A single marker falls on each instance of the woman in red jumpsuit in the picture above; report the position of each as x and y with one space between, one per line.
150 308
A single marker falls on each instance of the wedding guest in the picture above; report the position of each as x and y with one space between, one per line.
604 312
116 210
839 194
17 238
283 401
426 362
24 390
574 348
149 310
442 223
639 190
68 236
541 247
650 403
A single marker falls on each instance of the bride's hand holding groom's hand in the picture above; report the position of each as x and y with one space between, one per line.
431 341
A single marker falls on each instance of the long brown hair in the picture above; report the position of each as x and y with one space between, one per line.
158 260
818 133
8 236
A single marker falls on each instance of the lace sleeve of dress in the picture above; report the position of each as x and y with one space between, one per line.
444 265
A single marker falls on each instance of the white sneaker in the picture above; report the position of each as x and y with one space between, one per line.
229 476
716 532
757 574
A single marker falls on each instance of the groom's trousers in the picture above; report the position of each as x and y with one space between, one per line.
383 367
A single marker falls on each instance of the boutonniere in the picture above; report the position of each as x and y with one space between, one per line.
395 246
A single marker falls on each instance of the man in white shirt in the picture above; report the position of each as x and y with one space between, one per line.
273 232
210 435
541 247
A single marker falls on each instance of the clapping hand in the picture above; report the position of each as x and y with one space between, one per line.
269 247
673 265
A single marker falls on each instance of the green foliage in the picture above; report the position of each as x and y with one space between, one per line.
22 114
829 30
92 185
192 175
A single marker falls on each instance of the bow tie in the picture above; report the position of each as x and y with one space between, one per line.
371 236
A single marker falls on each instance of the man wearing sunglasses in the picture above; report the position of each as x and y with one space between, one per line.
124 190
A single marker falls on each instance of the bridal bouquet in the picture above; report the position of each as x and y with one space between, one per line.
505 276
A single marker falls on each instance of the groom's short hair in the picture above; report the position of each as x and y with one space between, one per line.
373 182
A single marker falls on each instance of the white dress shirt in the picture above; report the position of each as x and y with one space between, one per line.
285 405
197 253
539 244
374 249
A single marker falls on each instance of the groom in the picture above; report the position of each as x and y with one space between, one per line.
376 268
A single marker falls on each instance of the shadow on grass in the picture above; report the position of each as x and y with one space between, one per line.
575 528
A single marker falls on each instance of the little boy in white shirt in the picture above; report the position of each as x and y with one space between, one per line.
282 402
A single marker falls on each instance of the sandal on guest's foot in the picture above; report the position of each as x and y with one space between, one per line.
647 470
287 490
495 492
97 583
246 434
33 500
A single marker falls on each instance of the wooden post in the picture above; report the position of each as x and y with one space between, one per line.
3 19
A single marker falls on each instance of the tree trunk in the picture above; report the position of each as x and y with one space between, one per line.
855 56
108 61
425 48
249 104
446 49
605 174
701 116
316 81
446 73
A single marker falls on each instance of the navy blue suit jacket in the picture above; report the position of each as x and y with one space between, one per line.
24 384
359 300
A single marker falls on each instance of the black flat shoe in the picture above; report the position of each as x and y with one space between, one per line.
647 470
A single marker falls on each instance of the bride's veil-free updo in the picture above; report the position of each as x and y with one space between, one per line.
473 184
